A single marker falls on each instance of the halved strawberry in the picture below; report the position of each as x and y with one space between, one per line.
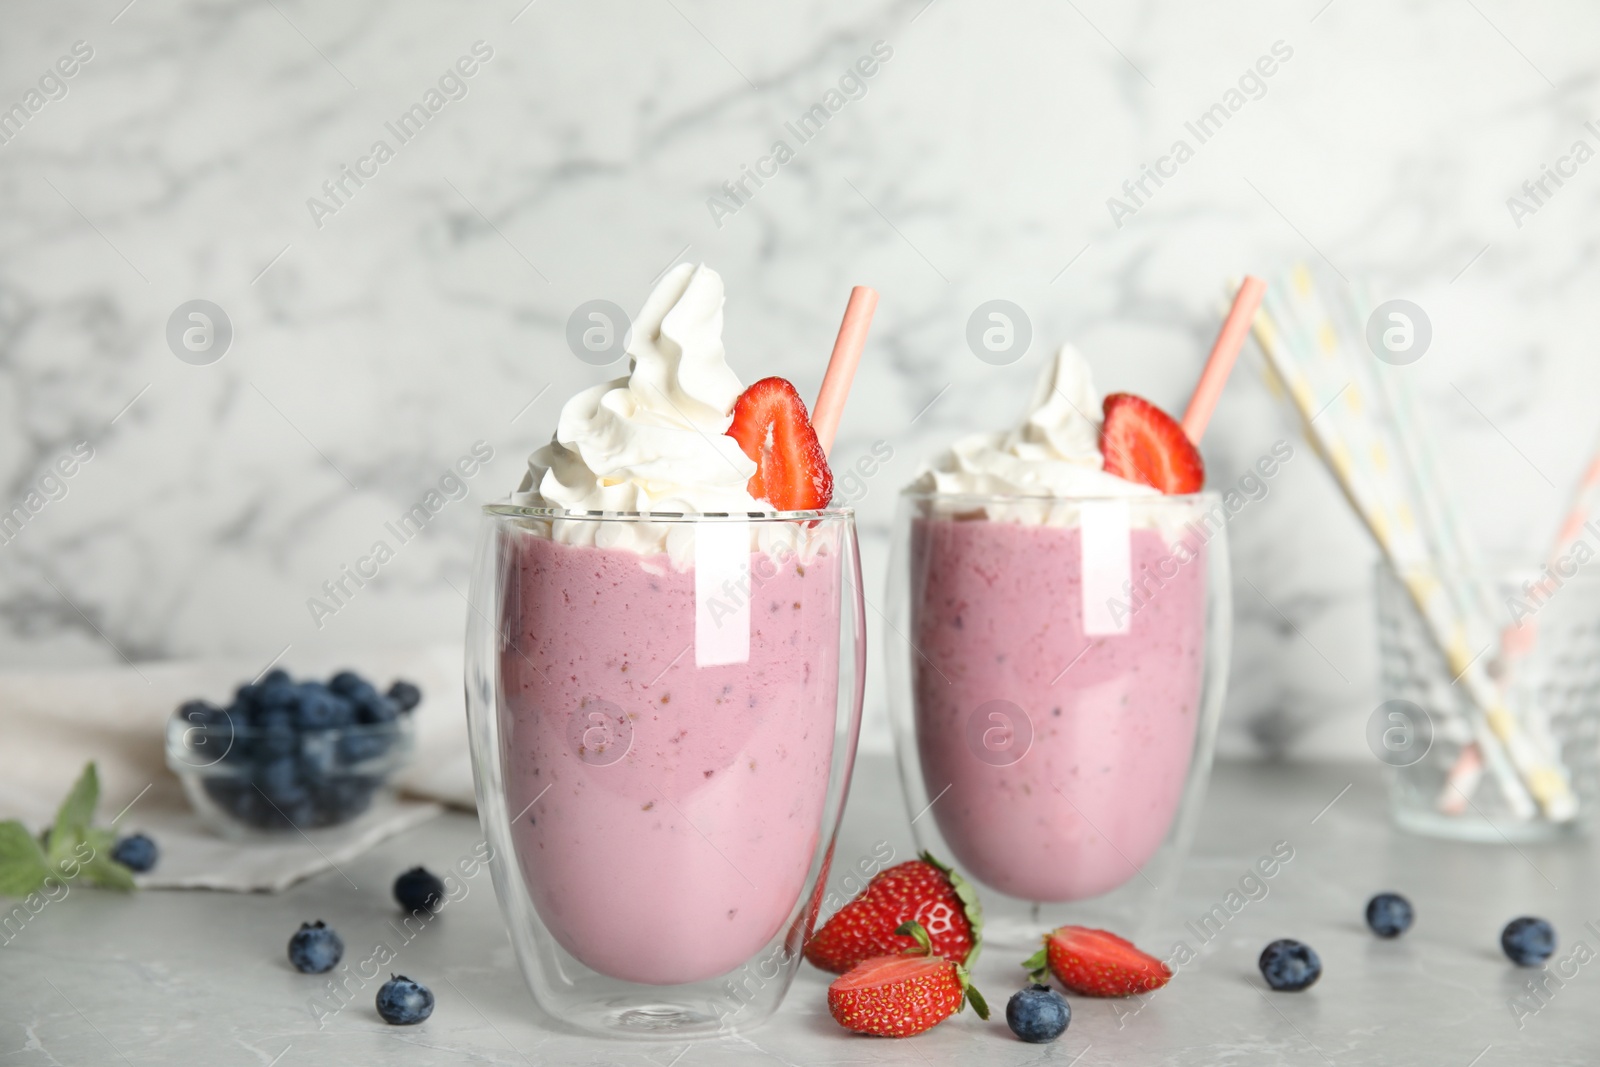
771 425
921 890
1144 444
1096 963
902 995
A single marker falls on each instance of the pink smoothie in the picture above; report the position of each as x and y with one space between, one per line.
996 608
675 808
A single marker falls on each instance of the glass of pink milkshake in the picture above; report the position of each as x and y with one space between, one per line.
1057 650
664 684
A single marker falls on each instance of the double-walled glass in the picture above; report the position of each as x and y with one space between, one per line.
664 712
1056 673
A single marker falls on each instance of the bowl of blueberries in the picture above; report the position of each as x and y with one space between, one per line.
290 755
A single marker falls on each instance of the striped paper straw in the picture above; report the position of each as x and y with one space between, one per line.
1383 509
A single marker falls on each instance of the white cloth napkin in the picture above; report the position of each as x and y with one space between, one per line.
53 722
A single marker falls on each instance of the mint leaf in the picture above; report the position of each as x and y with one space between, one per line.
22 865
104 871
76 811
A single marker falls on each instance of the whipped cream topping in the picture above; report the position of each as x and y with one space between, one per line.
654 440
1055 453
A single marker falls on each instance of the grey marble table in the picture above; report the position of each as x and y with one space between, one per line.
174 977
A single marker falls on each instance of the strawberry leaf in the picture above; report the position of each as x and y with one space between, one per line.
1038 965
917 933
22 864
979 1005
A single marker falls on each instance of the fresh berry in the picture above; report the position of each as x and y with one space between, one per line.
202 713
1528 941
275 677
771 425
282 696
315 948
1290 966
402 1002
1095 963
136 852
319 709
346 682
922 890
244 697
1038 1014
1143 444
406 695
419 890
1389 914
361 743
902 995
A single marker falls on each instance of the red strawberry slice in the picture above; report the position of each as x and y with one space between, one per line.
898 996
771 425
1143 444
1096 963
921 890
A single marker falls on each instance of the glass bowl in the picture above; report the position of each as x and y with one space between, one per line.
244 780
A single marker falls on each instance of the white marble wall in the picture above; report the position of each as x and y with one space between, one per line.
427 313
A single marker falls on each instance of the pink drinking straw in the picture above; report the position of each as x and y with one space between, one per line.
1230 339
825 414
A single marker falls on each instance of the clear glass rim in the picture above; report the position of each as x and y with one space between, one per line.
520 511
1156 499
177 728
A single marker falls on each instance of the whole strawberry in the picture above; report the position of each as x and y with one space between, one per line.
924 891
1096 963
904 994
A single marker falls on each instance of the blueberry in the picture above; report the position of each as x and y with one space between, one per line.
346 682
277 698
1389 914
246 696
372 707
279 779
201 713
276 677
405 694
315 948
275 734
317 709
344 712
419 890
354 794
363 743
1290 966
402 1002
1528 941
136 852
342 798
1038 1014
240 799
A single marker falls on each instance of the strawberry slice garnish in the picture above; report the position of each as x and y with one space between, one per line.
902 995
1144 444
1096 963
922 890
771 425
